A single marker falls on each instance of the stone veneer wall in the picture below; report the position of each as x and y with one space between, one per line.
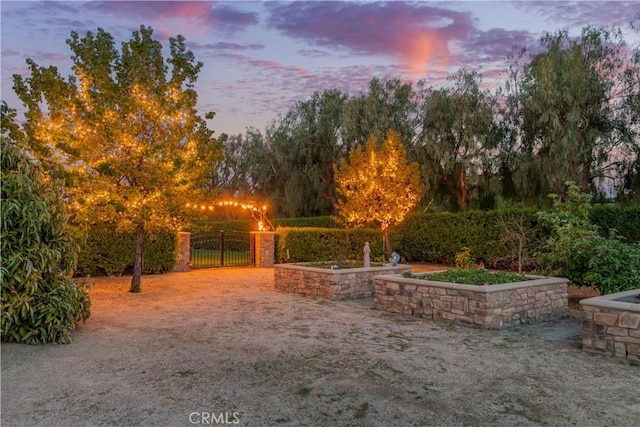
344 284
612 327
184 252
264 248
484 306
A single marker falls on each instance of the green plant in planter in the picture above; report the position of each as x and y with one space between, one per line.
464 260
479 277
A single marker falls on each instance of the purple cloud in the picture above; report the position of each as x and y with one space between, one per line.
221 17
583 13
417 33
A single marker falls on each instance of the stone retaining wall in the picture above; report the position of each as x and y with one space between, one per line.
342 284
612 327
484 306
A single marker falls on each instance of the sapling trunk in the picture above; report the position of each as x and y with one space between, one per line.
137 264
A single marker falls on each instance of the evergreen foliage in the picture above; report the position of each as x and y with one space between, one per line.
326 244
40 302
108 250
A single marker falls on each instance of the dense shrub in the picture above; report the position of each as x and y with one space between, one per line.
623 221
110 251
576 251
326 244
40 302
614 266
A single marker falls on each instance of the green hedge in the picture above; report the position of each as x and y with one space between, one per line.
325 244
625 220
316 221
251 224
438 237
108 251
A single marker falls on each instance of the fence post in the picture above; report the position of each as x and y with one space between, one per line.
265 248
221 248
184 252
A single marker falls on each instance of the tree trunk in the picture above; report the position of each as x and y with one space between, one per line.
137 264
387 244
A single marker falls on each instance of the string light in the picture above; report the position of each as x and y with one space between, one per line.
259 213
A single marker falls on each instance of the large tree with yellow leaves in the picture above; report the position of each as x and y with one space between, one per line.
124 130
376 185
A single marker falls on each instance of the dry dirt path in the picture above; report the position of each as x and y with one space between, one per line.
222 345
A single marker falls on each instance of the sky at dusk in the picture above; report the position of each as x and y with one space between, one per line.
262 57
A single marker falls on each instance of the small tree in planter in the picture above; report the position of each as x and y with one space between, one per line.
377 185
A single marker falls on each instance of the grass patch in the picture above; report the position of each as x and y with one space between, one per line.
473 277
361 411
202 258
303 391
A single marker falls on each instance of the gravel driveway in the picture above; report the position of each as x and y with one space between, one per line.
221 346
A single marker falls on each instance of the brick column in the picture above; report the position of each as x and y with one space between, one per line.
265 248
184 252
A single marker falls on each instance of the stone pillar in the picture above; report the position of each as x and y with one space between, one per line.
265 248
184 252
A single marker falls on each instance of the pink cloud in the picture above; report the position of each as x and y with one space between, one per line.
418 34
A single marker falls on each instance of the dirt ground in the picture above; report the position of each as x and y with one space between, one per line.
222 346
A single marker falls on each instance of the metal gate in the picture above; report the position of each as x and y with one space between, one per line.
222 249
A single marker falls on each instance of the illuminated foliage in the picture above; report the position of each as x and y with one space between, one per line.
40 303
377 185
124 129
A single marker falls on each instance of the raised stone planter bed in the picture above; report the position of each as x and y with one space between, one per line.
611 325
493 306
341 284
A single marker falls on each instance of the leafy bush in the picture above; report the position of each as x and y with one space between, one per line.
108 250
325 244
614 266
576 251
40 302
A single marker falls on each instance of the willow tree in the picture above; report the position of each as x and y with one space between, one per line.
300 151
573 103
377 185
458 130
124 128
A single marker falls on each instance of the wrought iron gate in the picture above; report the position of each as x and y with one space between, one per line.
222 249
